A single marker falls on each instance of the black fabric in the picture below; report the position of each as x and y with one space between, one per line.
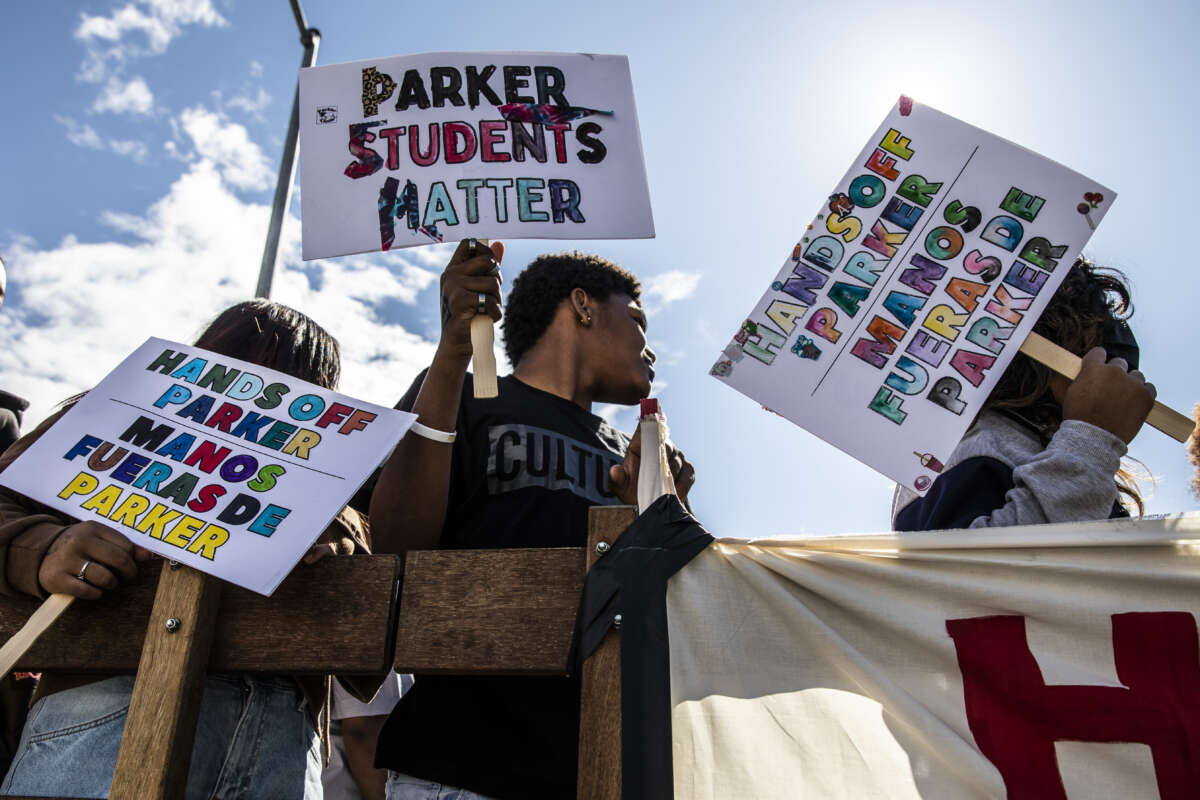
525 468
970 489
631 580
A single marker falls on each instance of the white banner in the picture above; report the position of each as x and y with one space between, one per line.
408 150
1054 661
217 463
899 308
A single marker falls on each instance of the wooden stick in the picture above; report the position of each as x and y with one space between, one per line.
1067 364
38 623
156 748
483 357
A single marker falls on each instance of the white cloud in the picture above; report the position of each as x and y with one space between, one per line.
85 135
659 291
130 97
194 251
228 146
250 105
256 69
130 148
135 30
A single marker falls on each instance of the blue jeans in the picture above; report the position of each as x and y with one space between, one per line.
406 787
253 740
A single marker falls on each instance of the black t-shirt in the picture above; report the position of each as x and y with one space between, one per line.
525 468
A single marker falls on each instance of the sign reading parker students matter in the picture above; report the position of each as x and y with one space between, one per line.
901 305
410 150
223 465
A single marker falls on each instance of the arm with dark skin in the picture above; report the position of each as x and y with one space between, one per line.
408 506
359 735
43 551
1108 395
623 478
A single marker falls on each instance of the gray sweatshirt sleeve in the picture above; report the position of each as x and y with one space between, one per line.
1072 479
1001 475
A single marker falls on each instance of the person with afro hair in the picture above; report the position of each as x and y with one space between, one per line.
1045 449
517 470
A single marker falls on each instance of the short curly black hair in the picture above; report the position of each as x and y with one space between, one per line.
546 282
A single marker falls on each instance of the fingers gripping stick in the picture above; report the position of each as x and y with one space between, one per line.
483 357
34 627
654 476
1067 364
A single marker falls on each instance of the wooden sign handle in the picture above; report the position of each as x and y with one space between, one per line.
1064 362
37 624
483 357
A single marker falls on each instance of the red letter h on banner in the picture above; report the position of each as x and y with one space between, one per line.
1016 718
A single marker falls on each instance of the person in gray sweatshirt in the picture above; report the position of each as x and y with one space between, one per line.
1045 449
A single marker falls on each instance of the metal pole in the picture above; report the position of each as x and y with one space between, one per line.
311 39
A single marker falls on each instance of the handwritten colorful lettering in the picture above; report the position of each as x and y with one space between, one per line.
448 145
220 464
912 290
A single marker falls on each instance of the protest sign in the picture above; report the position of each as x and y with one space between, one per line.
217 463
409 150
901 305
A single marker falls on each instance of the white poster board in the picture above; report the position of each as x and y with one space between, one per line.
219 464
901 305
409 150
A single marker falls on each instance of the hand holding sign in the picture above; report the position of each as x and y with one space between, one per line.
88 558
1109 396
470 288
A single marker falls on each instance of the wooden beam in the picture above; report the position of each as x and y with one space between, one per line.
156 748
600 709
258 634
500 612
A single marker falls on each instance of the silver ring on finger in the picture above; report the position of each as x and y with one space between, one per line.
481 305
82 574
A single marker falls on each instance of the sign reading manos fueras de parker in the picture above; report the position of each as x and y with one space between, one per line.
218 463
901 305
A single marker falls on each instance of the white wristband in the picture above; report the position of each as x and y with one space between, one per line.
433 434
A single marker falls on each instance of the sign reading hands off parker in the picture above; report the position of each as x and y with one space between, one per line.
409 150
912 290
220 464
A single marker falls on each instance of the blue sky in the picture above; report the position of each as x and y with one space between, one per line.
143 139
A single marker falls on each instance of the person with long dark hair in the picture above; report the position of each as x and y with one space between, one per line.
257 736
1045 449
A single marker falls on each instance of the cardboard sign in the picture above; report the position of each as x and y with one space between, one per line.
223 465
901 305
403 151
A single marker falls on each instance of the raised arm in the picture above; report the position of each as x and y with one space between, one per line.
408 505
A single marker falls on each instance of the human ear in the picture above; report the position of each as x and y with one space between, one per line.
580 306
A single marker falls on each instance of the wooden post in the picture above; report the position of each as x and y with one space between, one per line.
600 707
156 749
